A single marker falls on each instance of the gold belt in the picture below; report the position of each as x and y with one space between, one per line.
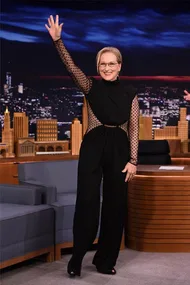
110 126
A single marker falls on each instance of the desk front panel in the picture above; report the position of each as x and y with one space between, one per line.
159 212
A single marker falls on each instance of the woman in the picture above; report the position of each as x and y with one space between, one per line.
109 150
187 95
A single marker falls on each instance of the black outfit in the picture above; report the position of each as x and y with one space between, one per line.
111 141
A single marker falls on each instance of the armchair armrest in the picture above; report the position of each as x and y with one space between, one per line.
48 192
20 194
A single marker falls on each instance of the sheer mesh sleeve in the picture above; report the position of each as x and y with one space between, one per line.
134 131
81 80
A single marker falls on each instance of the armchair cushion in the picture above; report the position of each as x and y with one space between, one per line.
24 229
20 194
48 192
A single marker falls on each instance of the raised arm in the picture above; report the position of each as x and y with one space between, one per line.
81 80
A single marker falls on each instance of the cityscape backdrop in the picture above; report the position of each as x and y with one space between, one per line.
154 41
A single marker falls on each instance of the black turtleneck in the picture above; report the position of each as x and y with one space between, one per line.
111 101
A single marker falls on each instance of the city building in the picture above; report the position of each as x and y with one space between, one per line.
8 79
47 138
46 130
51 147
20 126
168 132
16 140
76 136
20 88
23 144
6 90
25 147
7 145
145 128
179 132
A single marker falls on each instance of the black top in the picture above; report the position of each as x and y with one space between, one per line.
110 102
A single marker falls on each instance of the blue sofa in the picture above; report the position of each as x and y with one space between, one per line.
26 225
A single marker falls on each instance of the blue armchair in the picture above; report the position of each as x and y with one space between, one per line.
59 181
26 225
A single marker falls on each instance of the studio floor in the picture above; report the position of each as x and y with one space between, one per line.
133 268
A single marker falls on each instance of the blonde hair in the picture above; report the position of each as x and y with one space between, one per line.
113 50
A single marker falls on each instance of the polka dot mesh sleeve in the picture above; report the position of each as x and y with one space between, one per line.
81 80
134 131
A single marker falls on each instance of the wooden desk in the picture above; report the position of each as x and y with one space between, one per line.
159 210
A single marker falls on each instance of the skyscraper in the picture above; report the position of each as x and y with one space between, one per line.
7 134
76 136
6 90
20 88
8 79
20 126
145 130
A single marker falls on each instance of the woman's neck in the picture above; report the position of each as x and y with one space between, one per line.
111 82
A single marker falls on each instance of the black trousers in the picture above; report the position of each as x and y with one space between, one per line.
104 153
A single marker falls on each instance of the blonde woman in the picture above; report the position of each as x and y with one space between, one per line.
109 151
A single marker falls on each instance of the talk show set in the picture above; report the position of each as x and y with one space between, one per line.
95 142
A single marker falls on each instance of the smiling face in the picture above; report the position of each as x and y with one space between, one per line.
108 66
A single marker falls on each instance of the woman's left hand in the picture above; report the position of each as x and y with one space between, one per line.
131 171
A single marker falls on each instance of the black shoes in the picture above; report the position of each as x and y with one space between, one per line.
110 271
73 270
104 269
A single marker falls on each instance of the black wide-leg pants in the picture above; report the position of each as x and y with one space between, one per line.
104 153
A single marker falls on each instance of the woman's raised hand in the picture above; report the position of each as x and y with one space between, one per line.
54 28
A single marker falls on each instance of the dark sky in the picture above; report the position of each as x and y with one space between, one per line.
154 38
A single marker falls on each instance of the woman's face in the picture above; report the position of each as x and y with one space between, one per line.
108 67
